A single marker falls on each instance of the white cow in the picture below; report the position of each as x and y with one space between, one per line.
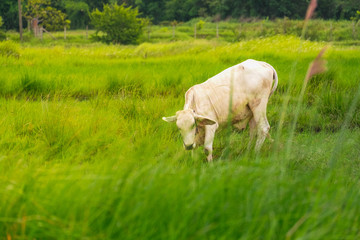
207 105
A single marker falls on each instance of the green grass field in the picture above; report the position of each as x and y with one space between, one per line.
342 32
84 153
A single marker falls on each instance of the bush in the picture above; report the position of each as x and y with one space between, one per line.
9 49
200 25
119 24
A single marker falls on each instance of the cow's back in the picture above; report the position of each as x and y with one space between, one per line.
245 81
248 76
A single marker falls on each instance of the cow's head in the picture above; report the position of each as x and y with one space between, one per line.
187 122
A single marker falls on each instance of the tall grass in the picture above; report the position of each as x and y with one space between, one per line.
84 153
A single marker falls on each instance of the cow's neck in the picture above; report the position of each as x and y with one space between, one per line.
200 136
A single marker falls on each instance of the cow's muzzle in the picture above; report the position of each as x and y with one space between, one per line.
189 147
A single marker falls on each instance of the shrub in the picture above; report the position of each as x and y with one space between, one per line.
118 23
9 49
200 25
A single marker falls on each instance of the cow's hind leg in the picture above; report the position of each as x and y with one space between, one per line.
258 107
252 126
262 131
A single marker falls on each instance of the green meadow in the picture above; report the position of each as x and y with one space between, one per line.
84 153
342 32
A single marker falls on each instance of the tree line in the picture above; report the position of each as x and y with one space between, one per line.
157 11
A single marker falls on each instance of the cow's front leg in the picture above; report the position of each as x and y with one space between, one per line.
209 139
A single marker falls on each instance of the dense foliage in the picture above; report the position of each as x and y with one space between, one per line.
184 10
118 24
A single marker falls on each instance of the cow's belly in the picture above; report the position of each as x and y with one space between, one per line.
240 112
241 115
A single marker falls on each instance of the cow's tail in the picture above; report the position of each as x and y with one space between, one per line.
275 77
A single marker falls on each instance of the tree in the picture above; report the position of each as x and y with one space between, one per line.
177 10
20 21
346 8
40 12
96 4
153 9
218 8
78 13
9 13
119 23
2 33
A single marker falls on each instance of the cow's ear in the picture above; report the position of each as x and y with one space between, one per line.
201 120
169 119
